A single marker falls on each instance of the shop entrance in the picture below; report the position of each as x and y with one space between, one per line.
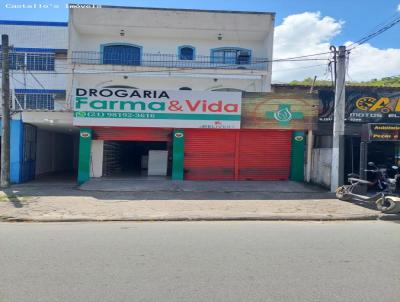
382 153
132 152
136 159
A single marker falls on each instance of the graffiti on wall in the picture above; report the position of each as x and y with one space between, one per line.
283 110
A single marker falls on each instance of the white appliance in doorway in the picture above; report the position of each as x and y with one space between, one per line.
157 163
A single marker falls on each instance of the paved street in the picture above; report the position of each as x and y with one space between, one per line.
200 261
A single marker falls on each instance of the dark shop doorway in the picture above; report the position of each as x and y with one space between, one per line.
136 159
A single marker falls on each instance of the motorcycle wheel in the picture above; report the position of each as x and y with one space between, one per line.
341 193
389 206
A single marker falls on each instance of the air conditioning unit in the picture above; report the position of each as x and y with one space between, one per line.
243 57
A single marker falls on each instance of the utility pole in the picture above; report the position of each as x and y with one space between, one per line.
337 170
5 110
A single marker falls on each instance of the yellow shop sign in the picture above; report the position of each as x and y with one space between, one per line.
382 105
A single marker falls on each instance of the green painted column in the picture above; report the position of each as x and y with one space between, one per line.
85 143
297 157
178 154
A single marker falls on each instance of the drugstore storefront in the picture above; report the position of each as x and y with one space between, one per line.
192 135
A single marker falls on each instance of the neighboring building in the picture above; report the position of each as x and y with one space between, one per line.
38 84
367 108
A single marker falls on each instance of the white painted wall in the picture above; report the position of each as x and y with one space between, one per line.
54 152
34 36
96 158
321 167
164 81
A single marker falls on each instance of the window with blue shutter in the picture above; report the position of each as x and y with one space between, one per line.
118 54
186 53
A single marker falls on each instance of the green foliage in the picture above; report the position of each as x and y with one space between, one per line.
384 82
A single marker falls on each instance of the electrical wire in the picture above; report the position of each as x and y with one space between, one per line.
378 32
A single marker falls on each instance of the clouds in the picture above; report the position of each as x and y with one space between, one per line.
310 33
368 62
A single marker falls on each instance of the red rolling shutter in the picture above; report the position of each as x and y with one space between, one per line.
132 134
210 154
264 155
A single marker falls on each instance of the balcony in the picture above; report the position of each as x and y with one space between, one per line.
170 61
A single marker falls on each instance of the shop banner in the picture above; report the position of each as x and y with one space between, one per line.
156 108
363 106
384 132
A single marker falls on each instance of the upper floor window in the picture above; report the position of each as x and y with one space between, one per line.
121 54
186 52
35 101
230 55
31 61
40 61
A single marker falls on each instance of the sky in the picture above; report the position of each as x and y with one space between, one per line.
301 27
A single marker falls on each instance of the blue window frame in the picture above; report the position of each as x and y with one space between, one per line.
230 55
121 54
186 52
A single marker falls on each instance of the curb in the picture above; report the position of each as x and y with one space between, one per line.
384 217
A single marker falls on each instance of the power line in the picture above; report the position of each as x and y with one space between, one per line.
375 34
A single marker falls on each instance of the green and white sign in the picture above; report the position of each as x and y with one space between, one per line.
156 108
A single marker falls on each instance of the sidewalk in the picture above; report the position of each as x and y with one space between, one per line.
63 201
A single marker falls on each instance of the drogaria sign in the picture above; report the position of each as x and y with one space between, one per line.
156 108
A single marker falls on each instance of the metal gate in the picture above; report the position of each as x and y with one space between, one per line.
237 154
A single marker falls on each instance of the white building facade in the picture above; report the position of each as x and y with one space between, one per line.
124 47
154 49
171 49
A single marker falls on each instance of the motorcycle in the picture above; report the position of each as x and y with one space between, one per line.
385 200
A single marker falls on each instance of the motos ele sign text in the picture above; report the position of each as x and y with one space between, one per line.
156 108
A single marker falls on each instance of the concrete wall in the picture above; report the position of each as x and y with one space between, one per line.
54 153
321 167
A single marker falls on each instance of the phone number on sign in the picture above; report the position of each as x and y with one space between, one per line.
114 115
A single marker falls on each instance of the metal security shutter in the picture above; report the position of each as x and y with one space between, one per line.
264 155
209 154
132 134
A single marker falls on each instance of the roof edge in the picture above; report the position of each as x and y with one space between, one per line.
35 23
178 9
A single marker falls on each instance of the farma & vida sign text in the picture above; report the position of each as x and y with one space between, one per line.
156 108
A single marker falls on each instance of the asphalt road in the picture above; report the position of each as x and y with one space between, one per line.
200 261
